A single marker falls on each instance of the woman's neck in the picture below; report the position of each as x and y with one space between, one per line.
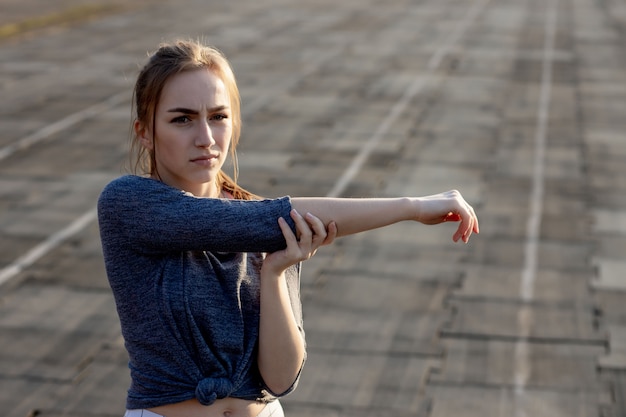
206 190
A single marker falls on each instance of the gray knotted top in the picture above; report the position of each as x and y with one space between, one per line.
185 276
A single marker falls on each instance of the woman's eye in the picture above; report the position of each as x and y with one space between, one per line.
181 119
219 117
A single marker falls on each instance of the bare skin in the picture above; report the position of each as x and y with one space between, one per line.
353 215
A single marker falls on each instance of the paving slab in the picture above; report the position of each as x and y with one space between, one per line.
391 333
490 362
499 320
339 380
610 274
617 405
616 357
503 401
399 321
500 282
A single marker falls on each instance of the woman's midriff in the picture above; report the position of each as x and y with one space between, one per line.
226 407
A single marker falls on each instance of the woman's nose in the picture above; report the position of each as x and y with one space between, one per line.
204 138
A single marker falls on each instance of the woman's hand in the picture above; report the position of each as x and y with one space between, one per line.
449 206
311 234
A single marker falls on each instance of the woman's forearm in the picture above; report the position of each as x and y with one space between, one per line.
358 215
281 345
355 215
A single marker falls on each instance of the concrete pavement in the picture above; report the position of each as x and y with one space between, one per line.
518 104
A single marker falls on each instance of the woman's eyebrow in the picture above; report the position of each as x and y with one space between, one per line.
190 111
182 110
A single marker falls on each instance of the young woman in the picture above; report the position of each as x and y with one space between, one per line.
205 275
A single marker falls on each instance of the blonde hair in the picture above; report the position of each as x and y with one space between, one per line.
171 59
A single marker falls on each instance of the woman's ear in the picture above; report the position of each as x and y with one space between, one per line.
144 135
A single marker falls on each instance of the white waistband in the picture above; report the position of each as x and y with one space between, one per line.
273 409
141 413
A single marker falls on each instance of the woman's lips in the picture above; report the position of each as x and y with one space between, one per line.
204 159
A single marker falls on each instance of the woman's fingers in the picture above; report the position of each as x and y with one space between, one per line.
476 227
320 234
331 234
463 213
474 217
290 238
469 224
310 234
306 242
302 228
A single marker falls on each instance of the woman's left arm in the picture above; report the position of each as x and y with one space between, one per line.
281 345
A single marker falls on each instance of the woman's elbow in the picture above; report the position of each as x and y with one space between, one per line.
280 379
281 386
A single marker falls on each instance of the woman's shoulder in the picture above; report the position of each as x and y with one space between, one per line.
131 185
128 188
132 181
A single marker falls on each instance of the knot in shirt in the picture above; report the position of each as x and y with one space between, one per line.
211 389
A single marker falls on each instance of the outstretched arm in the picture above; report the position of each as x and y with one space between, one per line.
354 215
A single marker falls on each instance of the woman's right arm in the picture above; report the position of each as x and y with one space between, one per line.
150 217
353 215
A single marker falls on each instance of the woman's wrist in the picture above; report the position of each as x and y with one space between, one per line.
412 208
268 272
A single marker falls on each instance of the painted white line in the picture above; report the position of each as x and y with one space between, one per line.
46 246
62 124
533 225
414 88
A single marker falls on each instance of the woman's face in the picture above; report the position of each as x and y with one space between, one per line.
193 127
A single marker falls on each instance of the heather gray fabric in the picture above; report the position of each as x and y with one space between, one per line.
185 276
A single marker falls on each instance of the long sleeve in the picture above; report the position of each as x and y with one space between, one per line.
153 217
